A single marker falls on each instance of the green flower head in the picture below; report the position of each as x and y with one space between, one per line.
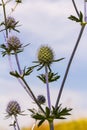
45 55
13 108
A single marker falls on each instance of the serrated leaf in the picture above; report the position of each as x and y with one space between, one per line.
40 122
51 77
47 112
60 113
38 116
15 74
74 18
27 71
81 17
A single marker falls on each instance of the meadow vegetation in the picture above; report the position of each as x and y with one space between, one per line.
80 124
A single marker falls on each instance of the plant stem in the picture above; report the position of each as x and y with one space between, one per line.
51 125
17 61
47 85
69 63
33 96
23 85
14 125
85 11
75 7
17 122
3 4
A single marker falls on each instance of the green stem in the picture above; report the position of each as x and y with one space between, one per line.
69 64
34 98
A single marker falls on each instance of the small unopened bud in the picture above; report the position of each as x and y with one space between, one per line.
41 99
13 108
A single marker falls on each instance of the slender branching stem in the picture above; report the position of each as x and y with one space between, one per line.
14 127
47 85
18 64
34 98
69 64
17 122
85 11
4 11
24 86
74 4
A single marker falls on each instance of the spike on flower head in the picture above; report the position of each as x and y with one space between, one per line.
13 43
41 99
13 108
45 55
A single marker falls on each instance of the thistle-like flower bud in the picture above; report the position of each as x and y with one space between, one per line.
41 99
13 108
10 21
45 55
14 43
19 1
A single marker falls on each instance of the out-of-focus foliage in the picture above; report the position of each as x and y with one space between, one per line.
71 125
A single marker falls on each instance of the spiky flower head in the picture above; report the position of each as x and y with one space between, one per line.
13 43
10 21
45 55
41 99
19 1
13 108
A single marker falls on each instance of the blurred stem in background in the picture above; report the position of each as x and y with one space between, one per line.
72 56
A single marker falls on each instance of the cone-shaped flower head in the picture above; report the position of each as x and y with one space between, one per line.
14 43
10 21
45 55
41 99
13 108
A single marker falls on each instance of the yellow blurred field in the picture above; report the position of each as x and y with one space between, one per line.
71 125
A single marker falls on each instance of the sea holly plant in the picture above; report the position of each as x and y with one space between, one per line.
13 109
12 46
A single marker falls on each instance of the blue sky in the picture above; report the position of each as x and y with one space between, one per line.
46 22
